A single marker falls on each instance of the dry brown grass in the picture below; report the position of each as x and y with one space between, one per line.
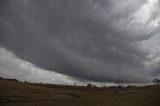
14 93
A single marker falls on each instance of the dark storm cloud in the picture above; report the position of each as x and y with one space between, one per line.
85 39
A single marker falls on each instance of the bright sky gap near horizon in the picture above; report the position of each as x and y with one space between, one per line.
67 41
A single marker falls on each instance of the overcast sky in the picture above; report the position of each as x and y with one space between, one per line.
66 41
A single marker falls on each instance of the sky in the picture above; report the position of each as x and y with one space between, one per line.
82 41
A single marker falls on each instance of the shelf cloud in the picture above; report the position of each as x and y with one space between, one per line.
92 40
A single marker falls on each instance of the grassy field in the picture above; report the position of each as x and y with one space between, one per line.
13 93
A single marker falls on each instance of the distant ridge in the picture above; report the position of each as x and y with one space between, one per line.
9 79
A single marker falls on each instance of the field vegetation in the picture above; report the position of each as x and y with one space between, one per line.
14 93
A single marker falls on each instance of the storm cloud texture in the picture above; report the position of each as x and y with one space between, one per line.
92 40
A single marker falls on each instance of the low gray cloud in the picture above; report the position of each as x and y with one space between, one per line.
106 41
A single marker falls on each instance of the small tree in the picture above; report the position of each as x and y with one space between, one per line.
89 85
156 81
